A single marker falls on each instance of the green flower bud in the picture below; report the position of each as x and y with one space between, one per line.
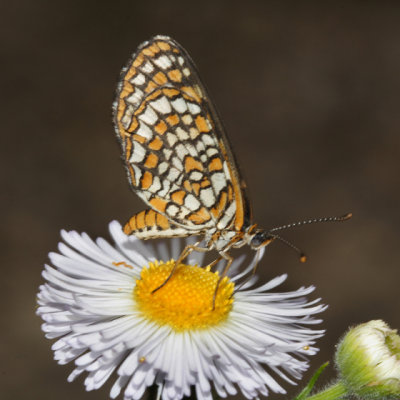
368 360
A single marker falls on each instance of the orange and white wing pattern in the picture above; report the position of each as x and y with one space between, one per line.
176 154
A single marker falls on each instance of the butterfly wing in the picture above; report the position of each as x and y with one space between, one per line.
177 156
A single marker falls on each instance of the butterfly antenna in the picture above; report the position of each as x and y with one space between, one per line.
302 256
313 221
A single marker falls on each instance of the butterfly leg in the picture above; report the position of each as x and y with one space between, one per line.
229 260
216 261
185 253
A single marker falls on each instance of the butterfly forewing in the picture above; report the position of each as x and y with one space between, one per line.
176 154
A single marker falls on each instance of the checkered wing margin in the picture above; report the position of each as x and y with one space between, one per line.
176 154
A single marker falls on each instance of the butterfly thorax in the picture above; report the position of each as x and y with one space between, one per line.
223 240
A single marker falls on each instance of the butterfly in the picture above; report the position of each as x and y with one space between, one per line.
177 156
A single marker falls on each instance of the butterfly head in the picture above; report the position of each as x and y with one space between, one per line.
261 239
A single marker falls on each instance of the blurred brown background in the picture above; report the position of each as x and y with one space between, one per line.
309 94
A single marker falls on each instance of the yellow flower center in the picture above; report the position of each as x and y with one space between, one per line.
186 300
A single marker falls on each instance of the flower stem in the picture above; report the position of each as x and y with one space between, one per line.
334 392
152 392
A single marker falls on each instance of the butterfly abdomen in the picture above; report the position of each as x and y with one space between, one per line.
149 224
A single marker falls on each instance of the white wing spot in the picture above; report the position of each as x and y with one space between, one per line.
172 210
163 62
218 181
135 98
173 174
186 71
207 197
167 153
194 133
181 151
227 216
211 151
177 163
187 119
200 146
179 104
138 153
172 58
139 79
156 185
165 189
162 167
195 176
148 67
208 140
149 116
145 131
191 202
192 151
193 108
172 139
182 134
161 105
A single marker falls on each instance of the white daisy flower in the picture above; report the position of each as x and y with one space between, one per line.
98 302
